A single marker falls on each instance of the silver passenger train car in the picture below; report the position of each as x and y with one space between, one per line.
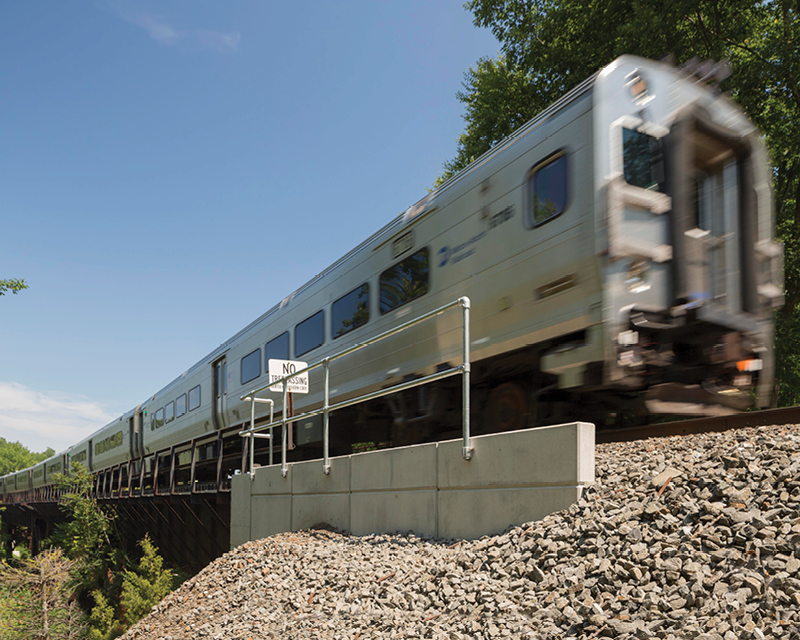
618 252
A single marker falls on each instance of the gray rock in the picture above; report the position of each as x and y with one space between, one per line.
622 562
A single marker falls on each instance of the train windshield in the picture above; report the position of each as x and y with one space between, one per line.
642 159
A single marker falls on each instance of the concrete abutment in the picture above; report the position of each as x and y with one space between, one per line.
429 489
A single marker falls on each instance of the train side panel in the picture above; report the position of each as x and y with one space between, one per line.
110 445
181 411
527 283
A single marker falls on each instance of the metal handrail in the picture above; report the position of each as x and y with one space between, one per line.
254 435
463 369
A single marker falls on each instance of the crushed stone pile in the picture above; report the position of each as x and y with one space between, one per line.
684 537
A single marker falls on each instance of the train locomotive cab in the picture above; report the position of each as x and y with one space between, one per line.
692 273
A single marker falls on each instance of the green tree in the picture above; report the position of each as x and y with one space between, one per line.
88 537
86 547
499 97
15 456
87 531
102 623
14 286
549 46
143 588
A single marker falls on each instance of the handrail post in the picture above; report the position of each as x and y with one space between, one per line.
284 432
326 463
467 452
271 440
252 437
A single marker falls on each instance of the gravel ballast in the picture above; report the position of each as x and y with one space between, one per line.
683 537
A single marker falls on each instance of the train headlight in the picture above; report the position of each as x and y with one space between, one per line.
636 279
637 86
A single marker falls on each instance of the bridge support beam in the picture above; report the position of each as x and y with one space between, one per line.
190 530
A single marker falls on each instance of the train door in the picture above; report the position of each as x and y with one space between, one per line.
136 428
132 436
220 394
140 440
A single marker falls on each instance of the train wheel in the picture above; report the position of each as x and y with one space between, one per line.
506 409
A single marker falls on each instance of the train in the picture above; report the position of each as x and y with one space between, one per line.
618 251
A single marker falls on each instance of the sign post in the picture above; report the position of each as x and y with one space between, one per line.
279 369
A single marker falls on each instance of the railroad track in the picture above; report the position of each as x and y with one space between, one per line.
784 415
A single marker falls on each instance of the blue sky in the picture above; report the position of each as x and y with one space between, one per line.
169 170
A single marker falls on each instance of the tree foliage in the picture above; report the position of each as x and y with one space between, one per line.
102 623
143 588
549 46
38 603
498 97
15 456
13 285
88 527
119 595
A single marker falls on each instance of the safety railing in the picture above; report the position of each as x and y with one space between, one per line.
325 410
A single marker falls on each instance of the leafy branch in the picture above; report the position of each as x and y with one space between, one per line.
13 285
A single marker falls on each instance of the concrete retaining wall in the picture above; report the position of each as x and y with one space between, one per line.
430 489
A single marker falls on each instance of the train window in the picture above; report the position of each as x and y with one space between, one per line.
180 405
642 159
309 334
194 398
407 280
350 311
548 189
276 349
159 418
119 439
251 366
169 412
